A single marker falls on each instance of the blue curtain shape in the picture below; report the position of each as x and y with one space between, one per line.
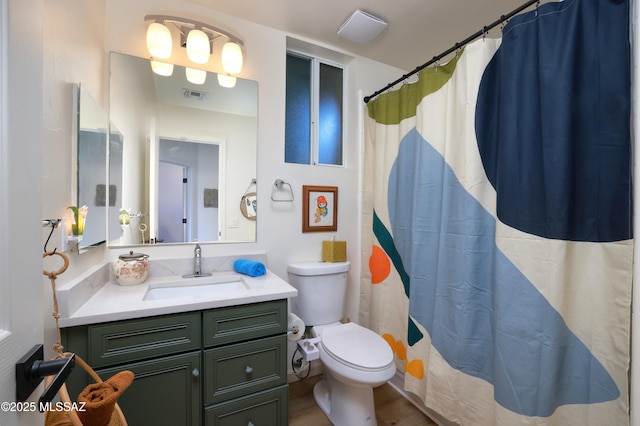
553 119
482 314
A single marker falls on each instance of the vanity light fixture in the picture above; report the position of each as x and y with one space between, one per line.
228 81
162 68
195 76
231 58
198 39
159 41
198 46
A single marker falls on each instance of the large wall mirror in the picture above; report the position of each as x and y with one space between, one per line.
187 156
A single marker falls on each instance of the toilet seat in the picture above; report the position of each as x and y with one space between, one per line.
357 347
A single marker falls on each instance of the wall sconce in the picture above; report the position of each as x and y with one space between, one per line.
198 38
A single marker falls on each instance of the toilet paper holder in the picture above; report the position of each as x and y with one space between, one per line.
295 329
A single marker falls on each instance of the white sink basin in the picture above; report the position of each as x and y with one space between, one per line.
200 287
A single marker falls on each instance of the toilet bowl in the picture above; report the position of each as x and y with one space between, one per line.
355 361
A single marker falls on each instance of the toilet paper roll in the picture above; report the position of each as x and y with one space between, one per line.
295 327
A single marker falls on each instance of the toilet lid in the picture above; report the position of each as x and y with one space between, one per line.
357 346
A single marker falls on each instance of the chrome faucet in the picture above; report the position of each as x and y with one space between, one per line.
197 267
197 252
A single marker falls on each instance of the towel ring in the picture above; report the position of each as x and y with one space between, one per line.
279 185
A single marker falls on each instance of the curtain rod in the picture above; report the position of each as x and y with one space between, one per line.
455 47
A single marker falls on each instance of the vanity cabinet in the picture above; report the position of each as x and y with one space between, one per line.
223 366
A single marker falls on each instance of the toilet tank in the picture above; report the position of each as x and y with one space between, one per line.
322 288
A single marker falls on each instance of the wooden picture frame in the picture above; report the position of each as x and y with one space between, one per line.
319 208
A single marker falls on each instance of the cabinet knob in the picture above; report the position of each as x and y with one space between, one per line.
248 370
195 372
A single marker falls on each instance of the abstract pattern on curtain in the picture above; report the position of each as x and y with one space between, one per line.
499 242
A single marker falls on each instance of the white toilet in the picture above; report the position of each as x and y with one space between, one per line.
355 359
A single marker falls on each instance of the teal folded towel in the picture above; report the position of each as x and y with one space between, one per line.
250 267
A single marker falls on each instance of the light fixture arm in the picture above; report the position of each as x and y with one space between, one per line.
196 24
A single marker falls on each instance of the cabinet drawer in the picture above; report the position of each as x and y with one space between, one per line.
237 323
267 408
131 340
239 369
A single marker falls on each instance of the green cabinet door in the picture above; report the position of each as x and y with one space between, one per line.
165 391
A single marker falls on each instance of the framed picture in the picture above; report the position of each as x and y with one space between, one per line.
319 208
210 197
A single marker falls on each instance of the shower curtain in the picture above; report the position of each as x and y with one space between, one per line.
497 223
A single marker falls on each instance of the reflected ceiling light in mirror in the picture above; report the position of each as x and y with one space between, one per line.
196 76
197 37
162 68
198 46
159 42
226 80
232 58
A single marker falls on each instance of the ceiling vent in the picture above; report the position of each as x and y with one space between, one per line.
362 27
194 94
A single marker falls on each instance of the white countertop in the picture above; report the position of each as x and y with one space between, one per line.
113 302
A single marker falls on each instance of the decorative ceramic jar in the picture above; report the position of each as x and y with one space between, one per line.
131 268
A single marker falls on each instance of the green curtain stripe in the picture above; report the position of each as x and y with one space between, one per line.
393 107
386 242
414 335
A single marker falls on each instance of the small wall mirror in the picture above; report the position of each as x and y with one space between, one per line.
189 154
91 175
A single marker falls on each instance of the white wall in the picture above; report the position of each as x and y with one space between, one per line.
73 37
21 140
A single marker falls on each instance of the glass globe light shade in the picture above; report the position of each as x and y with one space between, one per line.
196 76
159 41
162 68
198 47
226 80
232 58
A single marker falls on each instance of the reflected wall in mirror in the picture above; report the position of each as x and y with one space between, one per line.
189 176
206 134
91 174
115 181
